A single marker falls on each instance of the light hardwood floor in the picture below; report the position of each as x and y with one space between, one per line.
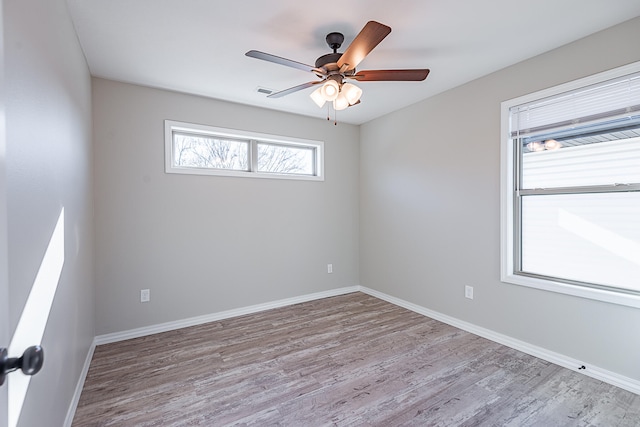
349 360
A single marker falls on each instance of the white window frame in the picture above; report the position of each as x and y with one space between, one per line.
253 138
508 224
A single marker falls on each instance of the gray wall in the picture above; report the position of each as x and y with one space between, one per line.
48 167
430 203
205 244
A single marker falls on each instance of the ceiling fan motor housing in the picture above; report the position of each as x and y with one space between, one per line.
329 58
334 40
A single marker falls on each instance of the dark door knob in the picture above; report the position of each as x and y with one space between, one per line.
30 362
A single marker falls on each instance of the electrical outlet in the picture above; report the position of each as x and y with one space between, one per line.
468 292
145 295
329 268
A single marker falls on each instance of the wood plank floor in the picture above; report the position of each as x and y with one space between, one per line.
349 360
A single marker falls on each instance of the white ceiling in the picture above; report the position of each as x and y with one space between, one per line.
198 46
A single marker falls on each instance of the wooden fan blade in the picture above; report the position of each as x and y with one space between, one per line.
391 75
283 61
367 39
293 89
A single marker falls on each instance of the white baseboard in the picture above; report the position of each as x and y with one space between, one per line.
598 373
199 320
76 395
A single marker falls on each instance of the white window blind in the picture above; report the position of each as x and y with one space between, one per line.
616 100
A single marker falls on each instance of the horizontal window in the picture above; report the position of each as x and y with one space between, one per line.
206 150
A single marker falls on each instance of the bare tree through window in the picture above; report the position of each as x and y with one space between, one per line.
283 159
198 151
204 152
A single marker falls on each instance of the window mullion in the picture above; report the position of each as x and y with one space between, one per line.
253 155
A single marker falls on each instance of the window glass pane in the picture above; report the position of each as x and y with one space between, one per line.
591 161
286 159
592 238
199 151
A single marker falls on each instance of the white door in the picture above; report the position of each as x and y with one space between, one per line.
4 304
4 285
4 337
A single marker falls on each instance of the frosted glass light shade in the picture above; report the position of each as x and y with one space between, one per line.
317 97
351 92
341 102
330 90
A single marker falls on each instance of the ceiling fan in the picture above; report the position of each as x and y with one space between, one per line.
335 69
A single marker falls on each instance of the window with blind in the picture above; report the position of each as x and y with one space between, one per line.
571 188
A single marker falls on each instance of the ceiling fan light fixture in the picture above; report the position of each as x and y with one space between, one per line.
334 68
351 92
330 90
317 97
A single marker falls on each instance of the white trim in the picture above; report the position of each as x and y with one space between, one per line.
507 270
71 412
199 320
592 371
171 125
506 198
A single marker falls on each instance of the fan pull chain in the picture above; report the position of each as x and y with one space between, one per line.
335 114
